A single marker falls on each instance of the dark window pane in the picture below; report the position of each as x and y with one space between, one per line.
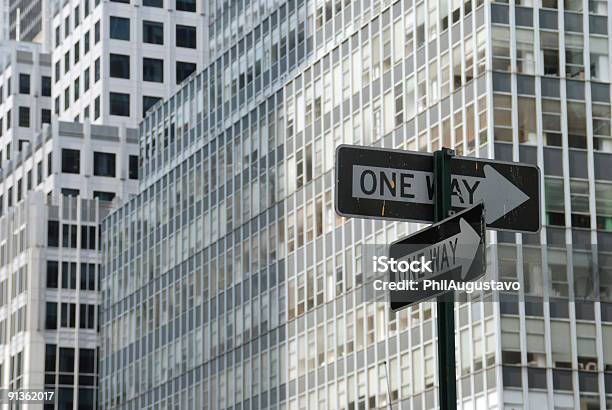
71 161
536 378
511 376
573 22
524 16
24 117
148 102
87 360
45 116
153 70
120 28
152 32
501 82
562 380
588 382
548 19
153 3
575 90
598 24
66 360
183 70
70 192
133 167
24 84
186 5
600 92
52 274
525 84
50 357
104 164
119 66
185 36
104 196
51 316
120 104
53 233
499 14
550 87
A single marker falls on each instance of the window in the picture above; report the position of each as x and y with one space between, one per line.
185 36
77 52
120 104
77 17
153 70
119 66
67 61
67 98
97 32
66 360
70 192
88 276
71 161
45 116
51 317
121 1
152 32
87 359
50 357
148 102
86 79
77 89
120 28
97 70
46 86
69 274
153 3
104 196
97 108
86 43
67 319
57 71
24 83
133 167
186 5
183 70
24 117
104 164
52 274
66 26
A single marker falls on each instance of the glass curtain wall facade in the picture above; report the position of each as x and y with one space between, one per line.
230 282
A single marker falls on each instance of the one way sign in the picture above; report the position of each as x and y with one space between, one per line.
399 185
456 249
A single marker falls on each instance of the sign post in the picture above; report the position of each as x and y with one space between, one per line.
447 389
379 183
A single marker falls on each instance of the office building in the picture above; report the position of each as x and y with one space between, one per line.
230 282
54 195
115 59
25 95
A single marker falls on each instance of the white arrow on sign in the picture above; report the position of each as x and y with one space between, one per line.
499 195
455 251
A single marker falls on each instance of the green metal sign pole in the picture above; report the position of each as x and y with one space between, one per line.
446 313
